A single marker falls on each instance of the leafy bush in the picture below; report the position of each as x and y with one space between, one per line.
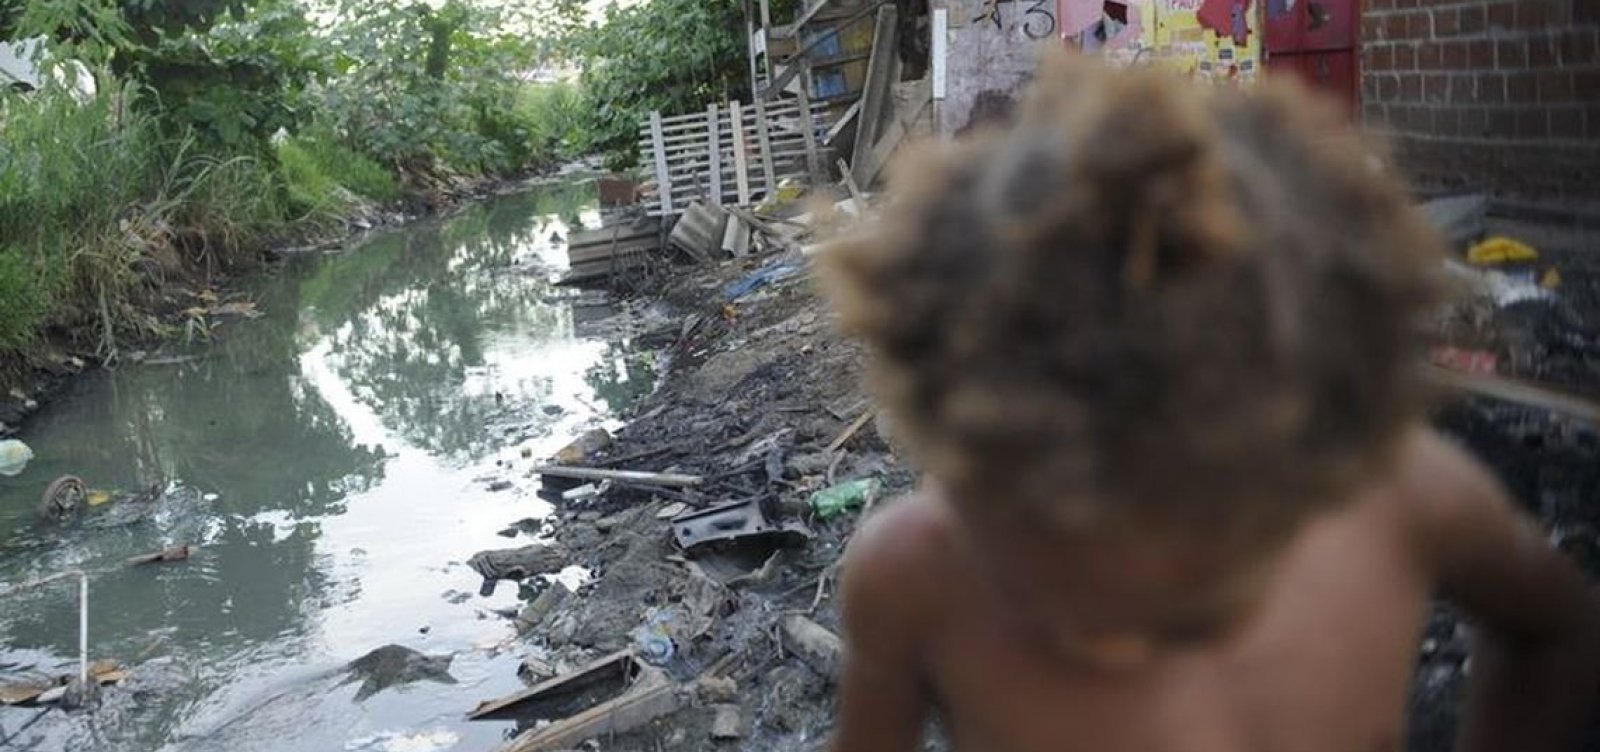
553 116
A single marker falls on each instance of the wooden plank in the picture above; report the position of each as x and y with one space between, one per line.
788 31
846 119
714 148
617 716
621 663
793 69
671 480
763 138
741 170
891 139
663 181
941 36
876 96
808 132
1512 390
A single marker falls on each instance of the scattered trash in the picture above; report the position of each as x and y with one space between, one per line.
653 638
831 502
737 521
1501 250
631 477
672 510
1460 219
765 276
500 485
698 232
813 643
64 689
595 685
726 725
535 612
176 553
395 665
1465 361
584 448
1551 279
516 564
717 689
65 497
585 491
14 457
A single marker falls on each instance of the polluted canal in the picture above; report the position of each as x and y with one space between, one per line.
332 458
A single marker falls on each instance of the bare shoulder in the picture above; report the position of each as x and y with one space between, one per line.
1445 492
895 559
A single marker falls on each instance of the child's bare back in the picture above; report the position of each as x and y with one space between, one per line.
1321 662
1155 353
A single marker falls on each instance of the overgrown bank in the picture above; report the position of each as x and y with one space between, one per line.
161 148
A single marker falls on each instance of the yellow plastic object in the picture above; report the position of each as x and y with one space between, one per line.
1501 250
1551 279
96 498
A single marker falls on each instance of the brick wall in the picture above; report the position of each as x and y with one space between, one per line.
1502 95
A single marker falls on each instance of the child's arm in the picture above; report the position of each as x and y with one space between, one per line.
883 702
1535 666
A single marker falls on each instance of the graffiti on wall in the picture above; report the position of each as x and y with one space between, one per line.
1037 18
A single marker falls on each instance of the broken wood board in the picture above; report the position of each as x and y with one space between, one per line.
881 69
670 480
551 699
176 553
623 714
1511 390
851 430
699 232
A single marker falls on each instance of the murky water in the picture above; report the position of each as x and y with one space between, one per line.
331 461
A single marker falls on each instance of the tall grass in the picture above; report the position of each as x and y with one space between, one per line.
97 205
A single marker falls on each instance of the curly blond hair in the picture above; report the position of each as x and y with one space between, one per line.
1145 294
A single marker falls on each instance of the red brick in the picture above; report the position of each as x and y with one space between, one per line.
1411 87
1534 15
1502 16
1533 122
1453 55
1428 56
1405 58
1543 51
1522 88
1502 123
1418 24
1380 57
1435 88
1386 88
1578 47
1462 89
1566 122
1447 122
1474 19
1555 87
1491 88
1480 54
1511 54
1586 85
1446 22
1371 28
1474 122
1394 27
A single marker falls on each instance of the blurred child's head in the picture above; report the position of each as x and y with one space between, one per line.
1146 305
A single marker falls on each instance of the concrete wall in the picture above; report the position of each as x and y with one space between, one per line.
988 63
1502 95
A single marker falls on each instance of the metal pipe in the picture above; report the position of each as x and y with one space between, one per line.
83 628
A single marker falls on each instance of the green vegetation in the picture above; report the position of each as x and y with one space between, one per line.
219 126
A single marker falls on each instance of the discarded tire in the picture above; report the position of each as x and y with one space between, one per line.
65 498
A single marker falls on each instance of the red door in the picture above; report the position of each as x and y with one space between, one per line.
1316 40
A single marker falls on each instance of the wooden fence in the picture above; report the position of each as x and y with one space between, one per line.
729 153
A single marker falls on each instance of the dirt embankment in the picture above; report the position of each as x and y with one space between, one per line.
759 400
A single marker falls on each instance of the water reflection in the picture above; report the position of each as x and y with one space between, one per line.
324 459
